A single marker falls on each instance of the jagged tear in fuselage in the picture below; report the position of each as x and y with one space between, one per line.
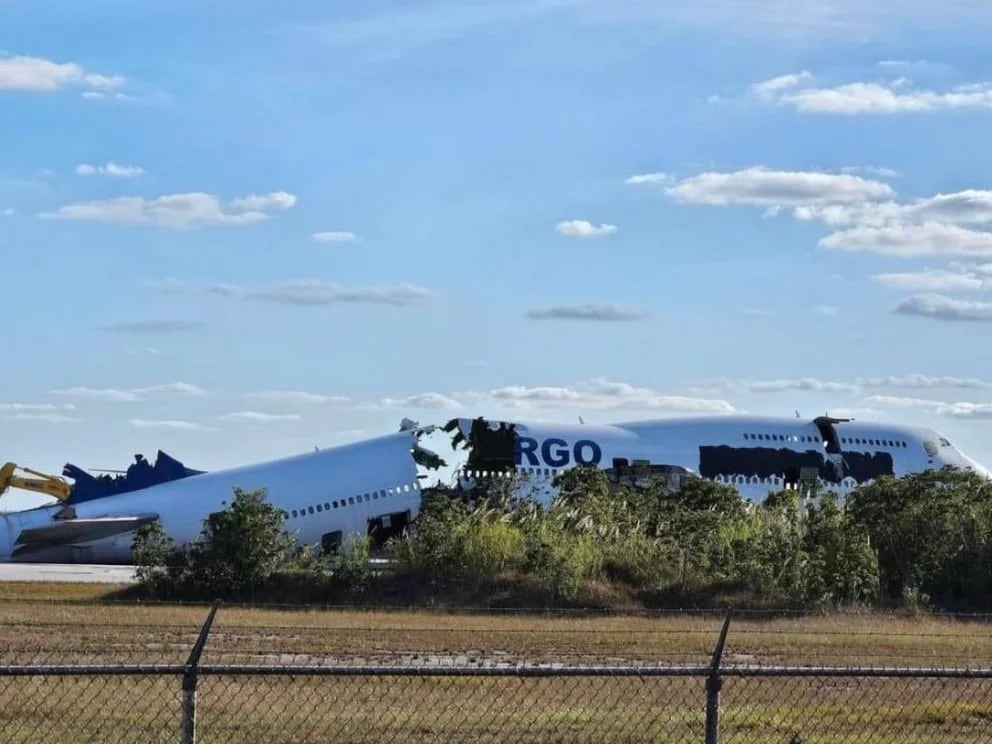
756 455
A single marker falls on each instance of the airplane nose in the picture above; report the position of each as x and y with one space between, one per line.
980 469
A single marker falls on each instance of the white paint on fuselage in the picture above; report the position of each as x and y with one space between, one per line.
359 481
677 442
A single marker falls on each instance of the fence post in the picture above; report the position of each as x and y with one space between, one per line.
713 685
190 679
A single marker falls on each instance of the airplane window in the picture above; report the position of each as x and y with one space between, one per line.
406 487
320 508
294 513
327 507
335 504
351 500
311 510
382 494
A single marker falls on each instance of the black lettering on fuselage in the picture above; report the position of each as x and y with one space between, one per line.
765 462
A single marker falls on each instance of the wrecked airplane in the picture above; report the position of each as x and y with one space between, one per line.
371 487
755 455
374 487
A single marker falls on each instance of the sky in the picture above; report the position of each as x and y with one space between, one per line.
239 230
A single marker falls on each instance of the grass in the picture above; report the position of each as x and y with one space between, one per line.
69 624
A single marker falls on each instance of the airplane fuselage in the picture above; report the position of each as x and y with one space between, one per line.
325 494
755 455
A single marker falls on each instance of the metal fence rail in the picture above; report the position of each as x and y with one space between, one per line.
491 702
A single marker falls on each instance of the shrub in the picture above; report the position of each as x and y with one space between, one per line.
237 551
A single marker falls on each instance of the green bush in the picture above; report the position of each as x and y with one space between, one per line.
238 550
932 533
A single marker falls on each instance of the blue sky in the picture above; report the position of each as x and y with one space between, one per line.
242 230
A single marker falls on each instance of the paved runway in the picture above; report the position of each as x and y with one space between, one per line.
68 572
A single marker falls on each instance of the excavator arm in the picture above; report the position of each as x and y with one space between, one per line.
50 485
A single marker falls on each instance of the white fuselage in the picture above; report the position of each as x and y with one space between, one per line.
755 455
333 490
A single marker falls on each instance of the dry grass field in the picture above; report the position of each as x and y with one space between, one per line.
66 624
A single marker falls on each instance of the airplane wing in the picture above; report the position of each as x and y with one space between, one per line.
71 531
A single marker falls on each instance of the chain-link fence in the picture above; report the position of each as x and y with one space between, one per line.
238 683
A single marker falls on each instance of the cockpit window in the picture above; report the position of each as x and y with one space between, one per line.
944 442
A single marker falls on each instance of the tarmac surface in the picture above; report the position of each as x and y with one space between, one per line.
67 572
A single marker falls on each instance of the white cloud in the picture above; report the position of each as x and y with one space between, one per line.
130 395
908 240
967 410
47 418
969 206
317 292
296 397
174 211
424 400
925 381
109 169
610 313
815 385
934 280
584 229
334 236
264 202
946 308
770 88
8 212
650 179
869 97
963 410
35 407
941 307
886 98
112 394
180 388
802 384
167 425
768 188
598 394
24 73
873 170
258 417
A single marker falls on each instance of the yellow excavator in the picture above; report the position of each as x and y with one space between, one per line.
50 485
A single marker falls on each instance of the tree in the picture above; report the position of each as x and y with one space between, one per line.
932 532
159 565
241 546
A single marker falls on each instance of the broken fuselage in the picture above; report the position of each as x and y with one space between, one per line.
755 455
356 489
